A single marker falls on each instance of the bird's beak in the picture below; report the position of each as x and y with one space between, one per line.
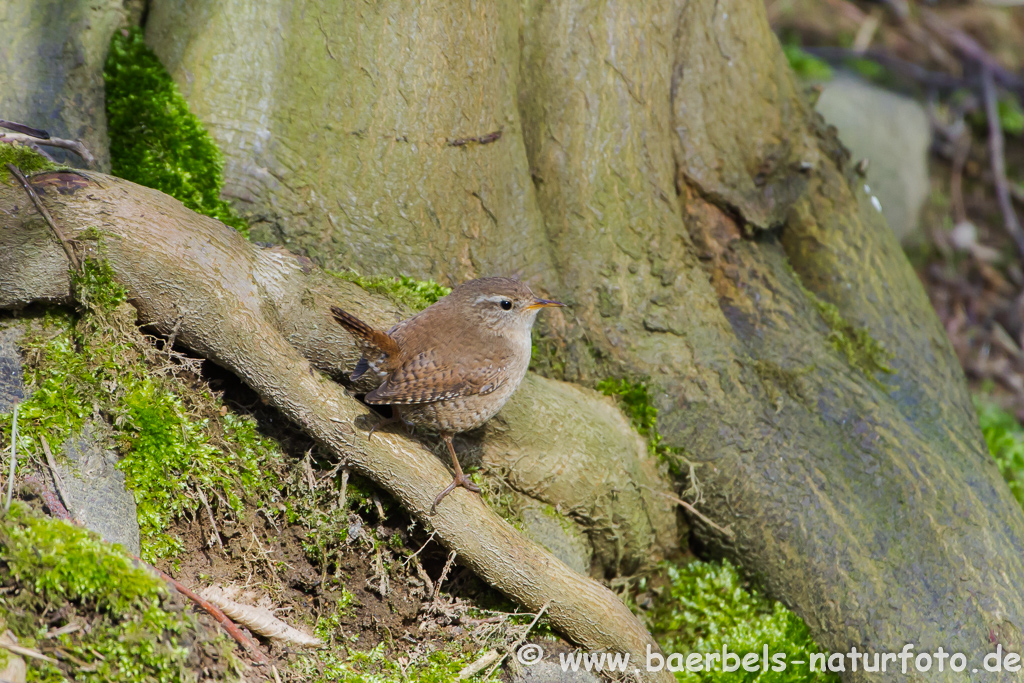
543 303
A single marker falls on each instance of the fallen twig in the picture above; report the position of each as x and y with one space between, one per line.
961 150
726 531
971 49
7 643
909 70
25 130
520 640
57 481
14 458
213 521
216 613
444 574
995 146
16 172
258 619
481 663
70 145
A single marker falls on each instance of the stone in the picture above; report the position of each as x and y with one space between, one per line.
560 536
12 385
96 489
546 671
893 133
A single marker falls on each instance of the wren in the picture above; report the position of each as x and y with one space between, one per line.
452 366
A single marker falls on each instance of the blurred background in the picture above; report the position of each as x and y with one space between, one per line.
929 95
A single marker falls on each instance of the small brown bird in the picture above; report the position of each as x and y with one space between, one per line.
452 366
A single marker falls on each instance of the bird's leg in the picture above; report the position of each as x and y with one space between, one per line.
460 479
395 417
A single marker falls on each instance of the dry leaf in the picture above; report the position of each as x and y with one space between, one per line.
259 620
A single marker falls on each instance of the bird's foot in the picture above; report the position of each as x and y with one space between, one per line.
389 421
459 479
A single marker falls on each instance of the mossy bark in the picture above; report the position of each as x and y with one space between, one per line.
659 171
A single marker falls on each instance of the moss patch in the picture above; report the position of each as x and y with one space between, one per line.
706 607
806 66
635 402
25 159
862 351
128 628
403 290
775 378
154 139
178 442
1005 438
378 666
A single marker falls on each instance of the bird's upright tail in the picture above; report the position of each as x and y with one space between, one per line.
380 351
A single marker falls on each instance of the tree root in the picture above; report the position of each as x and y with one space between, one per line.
263 314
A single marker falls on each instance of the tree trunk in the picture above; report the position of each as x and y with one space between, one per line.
659 170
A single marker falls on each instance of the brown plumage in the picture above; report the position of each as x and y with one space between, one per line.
455 364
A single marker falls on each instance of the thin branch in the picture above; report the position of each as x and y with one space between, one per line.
961 150
213 521
71 145
25 130
995 147
726 531
444 575
519 641
972 50
909 70
14 458
217 614
16 172
57 481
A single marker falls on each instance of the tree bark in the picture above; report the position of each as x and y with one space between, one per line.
264 315
659 170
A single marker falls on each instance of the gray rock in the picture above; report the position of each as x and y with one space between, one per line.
560 536
12 385
547 671
893 133
95 487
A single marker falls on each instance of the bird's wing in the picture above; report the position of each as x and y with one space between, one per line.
427 378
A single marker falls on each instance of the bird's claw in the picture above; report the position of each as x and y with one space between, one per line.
459 479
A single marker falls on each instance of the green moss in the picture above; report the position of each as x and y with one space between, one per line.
774 377
806 66
25 159
96 287
404 290
176 440
635 401
705 607
1005 438
861 350
1011 115
168 459
377 666
154 139
65 570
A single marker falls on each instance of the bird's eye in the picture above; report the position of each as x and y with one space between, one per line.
506 304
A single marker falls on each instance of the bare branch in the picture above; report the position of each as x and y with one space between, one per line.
70 145
995 147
